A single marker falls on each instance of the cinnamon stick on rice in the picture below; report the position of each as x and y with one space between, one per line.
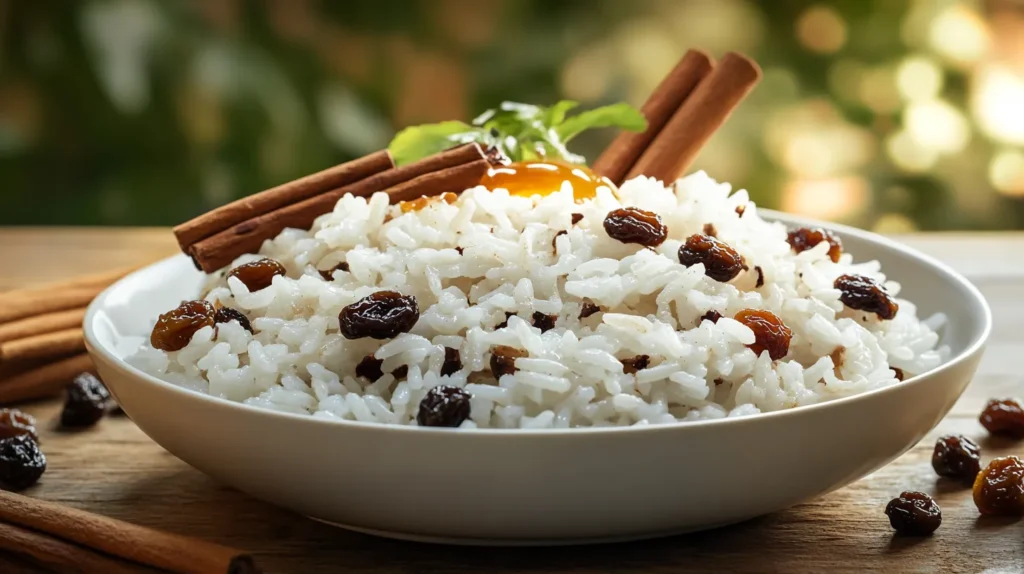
697 119
135 543
215 252
619 157
283 195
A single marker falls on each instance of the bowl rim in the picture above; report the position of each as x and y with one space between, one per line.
96 348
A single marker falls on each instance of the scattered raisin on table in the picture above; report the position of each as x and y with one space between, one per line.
1003 417
760 277
16 423
503 360
632 225
999 488
638 363
328 274
380 315
258 274
401 372
175 328
957 457
709 230
865 294
576 218
504 323
369 368
711 315
21 462
544 322
444 406
805 238
721 262
914 514
588 308
227 314
452 362
86 402
770 333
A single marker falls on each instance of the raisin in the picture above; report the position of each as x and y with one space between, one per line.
554 242
21 462
865 294
258 274
740 210
632 225
770 333
711 315
16 423
328 274
369 368
444 406
899 374
956 457
452 362
401 372
760 277
634 364
503 360
86 402
719 381
175 328
721 262
460 250
709 230
805 238
504 323
914 514
999 488
544 322
588 308
576 218
227 314
1003 417
380 315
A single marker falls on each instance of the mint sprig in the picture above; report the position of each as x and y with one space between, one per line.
522 132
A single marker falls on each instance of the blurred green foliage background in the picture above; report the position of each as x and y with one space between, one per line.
888 114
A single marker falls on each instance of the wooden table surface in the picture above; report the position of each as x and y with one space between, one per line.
116 470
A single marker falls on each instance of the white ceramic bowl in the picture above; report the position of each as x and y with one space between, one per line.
544 486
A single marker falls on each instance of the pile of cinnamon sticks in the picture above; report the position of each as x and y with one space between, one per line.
218 237
71 540
41 344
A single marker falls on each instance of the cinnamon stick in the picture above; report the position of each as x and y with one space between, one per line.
29 303
620 156
454 179
283 195
136 543
40 324
44 381
101 279
215 252
697 119
60 555
63 342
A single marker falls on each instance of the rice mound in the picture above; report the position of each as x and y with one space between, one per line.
515 258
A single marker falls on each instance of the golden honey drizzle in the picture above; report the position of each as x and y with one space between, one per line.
528 178
421 202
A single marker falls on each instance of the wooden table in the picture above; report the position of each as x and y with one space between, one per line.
116 470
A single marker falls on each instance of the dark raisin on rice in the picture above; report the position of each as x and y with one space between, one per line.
865 294
999 488
632 225
370 368
709 230
957 457
588 308
760 277
443 406
719 381
576 218
554 241
740 210
227 314
898 373
544 322
503 360
380 315
21 462
504 323
460 250
14 422
805 238
175 328
328 274
452 362
259 274
721 262
401 372
914 514
711 315
770 333
1003 417
85 403
633 364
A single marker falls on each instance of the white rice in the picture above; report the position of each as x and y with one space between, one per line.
298 362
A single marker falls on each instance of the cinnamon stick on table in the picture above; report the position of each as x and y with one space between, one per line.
129 541
41 381
62 555
619 157
215 252
41 324
63 342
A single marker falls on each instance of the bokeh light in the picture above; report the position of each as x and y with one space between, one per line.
1006 172
821 29
919 78
959 34
937 125
998 104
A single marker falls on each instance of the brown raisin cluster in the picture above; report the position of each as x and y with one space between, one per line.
770 333
865 294
805 238
632 225
87 400
380 315
721 262
175 328
257 275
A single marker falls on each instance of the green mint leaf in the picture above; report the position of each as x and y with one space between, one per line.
621 115
417 142
555 115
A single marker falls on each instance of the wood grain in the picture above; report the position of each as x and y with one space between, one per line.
116 470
